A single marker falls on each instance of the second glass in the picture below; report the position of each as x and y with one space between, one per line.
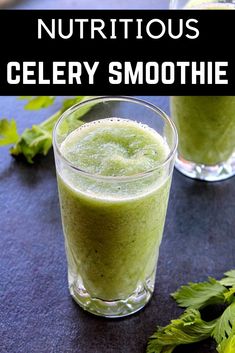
206 125
206 128
113 223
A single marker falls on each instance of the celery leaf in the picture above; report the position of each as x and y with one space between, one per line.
229 280
228 344
224 324
8 132
199 295
38 102
188 328
38 139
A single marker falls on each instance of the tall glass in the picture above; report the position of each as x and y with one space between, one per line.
206 125
113 225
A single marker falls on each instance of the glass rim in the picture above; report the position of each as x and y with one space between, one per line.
127 99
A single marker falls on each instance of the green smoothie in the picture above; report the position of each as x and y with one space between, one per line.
206 128
113 223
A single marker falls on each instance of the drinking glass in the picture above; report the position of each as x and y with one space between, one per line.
206 125
113 225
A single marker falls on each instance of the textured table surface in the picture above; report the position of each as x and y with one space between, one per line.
37 315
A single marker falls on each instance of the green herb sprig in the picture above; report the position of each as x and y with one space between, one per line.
189 327
37 139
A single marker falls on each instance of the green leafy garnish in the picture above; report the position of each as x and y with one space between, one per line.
223 327
199 295
8 132
229 295
34 141
229 280
38 139
227 345
190 327
38 102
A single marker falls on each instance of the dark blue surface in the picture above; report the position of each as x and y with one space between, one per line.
37 314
